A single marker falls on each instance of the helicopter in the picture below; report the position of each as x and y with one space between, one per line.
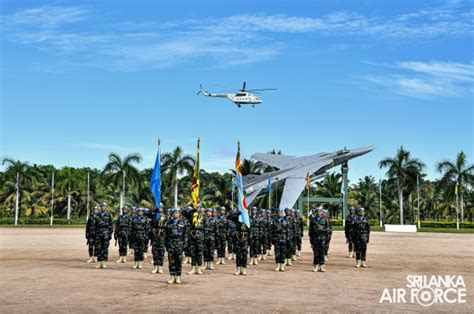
242 97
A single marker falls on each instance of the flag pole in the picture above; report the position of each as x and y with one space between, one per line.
457 205
17 199
418 199
87 202
269 193
232 188
52 200
380 202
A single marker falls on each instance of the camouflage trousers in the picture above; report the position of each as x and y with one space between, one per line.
280 251
290 246
350 245
230 245
254 246
241 249
158 251
102 248
209 248
318 250
196 250
220 246
360 249
262 249
327 241
139 249
175 260
122 240
92 247
299 241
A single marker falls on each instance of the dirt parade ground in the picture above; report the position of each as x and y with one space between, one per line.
43 271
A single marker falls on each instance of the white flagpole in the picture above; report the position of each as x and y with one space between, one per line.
233 188
52 200
457 206
87 201
380 202
122 193
17 200
418 197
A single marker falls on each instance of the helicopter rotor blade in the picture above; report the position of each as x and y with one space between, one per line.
260 89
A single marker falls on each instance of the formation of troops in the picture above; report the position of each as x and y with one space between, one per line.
198 237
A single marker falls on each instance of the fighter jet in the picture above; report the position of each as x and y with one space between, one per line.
293 171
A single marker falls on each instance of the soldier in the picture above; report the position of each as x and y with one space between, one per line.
262 252
103 232
318 227
269 222
254 236
240 244
175 240
328 235
279 239
133 216
157 237
295 232
122 233
300 232
361 237
187 248
90 235
196 239
210 230
349 231
221 236
231 237
289 242
140 231
147 214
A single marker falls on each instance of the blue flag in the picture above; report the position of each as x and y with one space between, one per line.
155 182
269 184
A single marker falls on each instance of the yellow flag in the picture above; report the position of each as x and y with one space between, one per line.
195 186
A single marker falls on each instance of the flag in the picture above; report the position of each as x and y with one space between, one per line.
308 181
155 181
269 187
242 205
195 186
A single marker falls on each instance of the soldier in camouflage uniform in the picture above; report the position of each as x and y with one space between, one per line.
140 231
187 248
196 239
318 228
157 237
300 232
221 235
240 244
280 238
349 231
295 232
147 214
361 236
90 235
175 241
133 216
231 237
254 238
122 234
262 243
328 235
290 241
269 222
210 230
103 234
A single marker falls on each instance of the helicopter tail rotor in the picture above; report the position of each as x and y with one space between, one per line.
243 86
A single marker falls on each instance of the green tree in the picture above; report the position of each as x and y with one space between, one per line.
176 164
403 169
118 170
457 176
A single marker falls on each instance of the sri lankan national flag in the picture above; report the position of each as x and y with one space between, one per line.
244 213
195 186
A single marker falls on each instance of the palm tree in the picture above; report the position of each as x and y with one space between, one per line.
117 169
366 196
402 168
176 163
457 175
331 187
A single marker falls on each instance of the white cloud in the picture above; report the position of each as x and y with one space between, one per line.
427 79
227 41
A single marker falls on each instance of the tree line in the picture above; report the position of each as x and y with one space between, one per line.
76 190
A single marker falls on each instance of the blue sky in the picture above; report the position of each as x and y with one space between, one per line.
80 79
